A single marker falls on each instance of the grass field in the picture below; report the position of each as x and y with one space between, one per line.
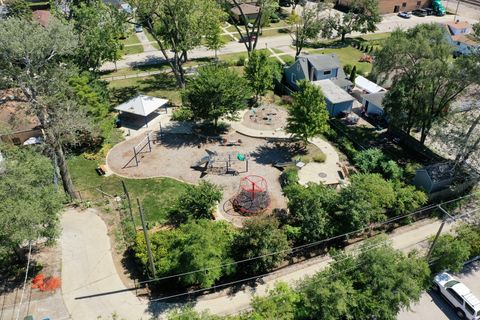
156 194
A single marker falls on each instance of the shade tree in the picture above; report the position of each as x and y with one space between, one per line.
260 72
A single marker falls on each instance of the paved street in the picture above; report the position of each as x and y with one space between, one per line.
433 307
388 24
88 269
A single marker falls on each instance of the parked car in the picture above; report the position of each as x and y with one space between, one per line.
420 12
430 11
138 28
466 305
405 15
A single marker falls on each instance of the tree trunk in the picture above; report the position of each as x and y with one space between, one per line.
62 165
343 36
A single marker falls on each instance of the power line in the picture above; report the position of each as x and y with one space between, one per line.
362 250
293 249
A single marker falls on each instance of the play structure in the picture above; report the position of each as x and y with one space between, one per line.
252 197
141 147
222 163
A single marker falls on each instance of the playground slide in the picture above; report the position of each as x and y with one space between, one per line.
438 8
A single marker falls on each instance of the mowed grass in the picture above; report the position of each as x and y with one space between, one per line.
131 45
156 195
160 85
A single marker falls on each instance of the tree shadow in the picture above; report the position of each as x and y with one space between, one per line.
271 153
177 141
163 81
120 95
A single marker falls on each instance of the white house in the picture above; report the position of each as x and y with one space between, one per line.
459 34
373 103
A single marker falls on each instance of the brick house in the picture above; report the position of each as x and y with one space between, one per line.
393 6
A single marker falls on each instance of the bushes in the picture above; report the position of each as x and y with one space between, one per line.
182 114
289 176
374 161
197 202
320 157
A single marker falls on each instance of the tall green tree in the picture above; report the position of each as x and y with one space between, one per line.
214 40
311 210
35 59
281 303
30 202
307 115
425 80
248 29
306 26
177 26
260 237
378 281
216 92
99 28
361 16
260 72
366 200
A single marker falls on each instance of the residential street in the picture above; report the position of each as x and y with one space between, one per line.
388 24
433 307
88 269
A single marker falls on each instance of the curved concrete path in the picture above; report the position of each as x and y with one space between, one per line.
88 269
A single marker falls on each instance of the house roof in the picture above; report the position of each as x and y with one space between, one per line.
342 82
42 16
465 38
367 85
332 92
459 25
141 105
324 61
13 117
440 171
375 98
246 9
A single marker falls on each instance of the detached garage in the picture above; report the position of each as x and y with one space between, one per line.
338 100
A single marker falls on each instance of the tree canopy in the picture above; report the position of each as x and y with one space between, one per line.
178 26
307 115
260 72
361 16
260 236
425 80
215 92
30 202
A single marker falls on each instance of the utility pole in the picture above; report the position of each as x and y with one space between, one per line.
446 215
456 11
147 240
127 195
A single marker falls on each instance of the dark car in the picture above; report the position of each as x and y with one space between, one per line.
420 12
430 11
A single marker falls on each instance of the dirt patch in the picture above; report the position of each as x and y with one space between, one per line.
265 117
175 155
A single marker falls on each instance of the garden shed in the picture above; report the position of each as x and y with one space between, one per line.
367 86
338 100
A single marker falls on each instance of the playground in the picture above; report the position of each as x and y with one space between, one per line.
189 158
265 117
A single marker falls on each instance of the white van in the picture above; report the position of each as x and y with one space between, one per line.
466 305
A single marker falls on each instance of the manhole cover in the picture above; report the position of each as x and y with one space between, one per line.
322 175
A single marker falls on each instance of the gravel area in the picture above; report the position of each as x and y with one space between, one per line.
175 155
265 117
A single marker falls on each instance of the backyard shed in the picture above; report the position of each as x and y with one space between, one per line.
373 103
434 177
367 86
143 107
337 99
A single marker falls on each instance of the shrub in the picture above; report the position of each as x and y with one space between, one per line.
368 161
320 157
289 176
274 18
241 61
182 114
347 68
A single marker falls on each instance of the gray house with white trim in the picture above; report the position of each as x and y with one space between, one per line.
317 67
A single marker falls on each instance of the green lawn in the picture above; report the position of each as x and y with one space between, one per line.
131 45
161 85
156 194
131 39
135 70
132 49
